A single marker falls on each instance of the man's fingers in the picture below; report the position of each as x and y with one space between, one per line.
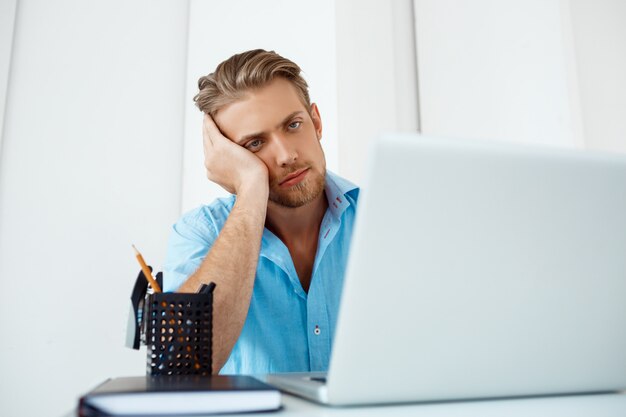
211 131
206 135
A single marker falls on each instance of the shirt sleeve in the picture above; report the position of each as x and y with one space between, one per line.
190 240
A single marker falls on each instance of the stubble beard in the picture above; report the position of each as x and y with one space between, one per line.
301 193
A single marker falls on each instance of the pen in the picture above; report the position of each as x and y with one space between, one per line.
146 271
207 289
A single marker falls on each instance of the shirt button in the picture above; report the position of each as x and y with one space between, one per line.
317 330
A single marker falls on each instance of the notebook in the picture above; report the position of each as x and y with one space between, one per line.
179 395
480 270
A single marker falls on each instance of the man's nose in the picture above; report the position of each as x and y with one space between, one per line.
286 153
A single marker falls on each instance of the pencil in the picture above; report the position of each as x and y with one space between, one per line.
146 271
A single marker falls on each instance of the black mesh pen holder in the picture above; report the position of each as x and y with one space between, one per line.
178 332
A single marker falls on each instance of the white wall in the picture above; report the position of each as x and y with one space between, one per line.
541 71
497 70
90 163
599 35
303 31
7 20
376 76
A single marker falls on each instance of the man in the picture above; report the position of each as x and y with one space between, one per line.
277 247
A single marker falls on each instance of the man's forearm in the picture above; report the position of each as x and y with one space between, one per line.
231 264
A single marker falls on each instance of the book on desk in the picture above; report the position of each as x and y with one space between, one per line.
180 395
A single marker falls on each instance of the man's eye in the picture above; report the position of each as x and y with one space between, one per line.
294 125
254 145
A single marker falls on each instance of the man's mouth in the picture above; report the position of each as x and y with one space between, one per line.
294 178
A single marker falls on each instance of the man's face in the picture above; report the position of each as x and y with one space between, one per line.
274 124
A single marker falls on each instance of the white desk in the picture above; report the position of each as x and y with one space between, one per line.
601 405
597 405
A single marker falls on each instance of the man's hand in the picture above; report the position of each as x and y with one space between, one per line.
228 164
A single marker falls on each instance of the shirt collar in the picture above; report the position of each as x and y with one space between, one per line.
336 190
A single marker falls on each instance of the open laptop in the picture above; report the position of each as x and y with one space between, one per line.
480 270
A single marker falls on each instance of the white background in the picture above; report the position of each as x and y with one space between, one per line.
100 144
90 163
549 72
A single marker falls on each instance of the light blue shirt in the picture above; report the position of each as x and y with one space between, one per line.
286 330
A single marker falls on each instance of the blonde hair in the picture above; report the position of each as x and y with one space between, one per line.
243 72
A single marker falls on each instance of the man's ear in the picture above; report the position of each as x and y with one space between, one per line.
317 120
